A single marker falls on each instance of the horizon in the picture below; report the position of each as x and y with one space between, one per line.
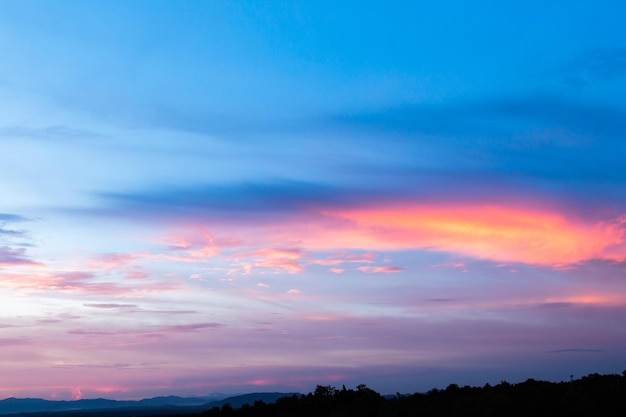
222 396
234 196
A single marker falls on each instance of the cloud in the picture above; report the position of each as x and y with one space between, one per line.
194 246
112 260
78 281
345 257
532 232
380 269
110 305
576 350
15 257
449 265
455 123
49 321
166 312
537 163
236 200
4 342
276 260
539 146
5 219
497 233
82 332
186 328
152 331
141 275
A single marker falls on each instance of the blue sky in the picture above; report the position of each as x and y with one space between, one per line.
405 195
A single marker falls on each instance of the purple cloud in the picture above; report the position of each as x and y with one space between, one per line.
110 305
12 257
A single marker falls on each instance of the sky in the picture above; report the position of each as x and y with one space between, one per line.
245 196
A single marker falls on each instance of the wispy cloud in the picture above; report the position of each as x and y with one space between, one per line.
4 342
576 350
109 305
276 260
185 328
243 201
456 122
79 282
346 257
150 331
5 220
380 269
7 217
15 257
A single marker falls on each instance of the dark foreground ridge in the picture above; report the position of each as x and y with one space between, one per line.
592 395
35 407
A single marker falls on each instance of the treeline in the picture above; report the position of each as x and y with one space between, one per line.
593 395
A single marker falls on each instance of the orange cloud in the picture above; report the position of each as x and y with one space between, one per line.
498 233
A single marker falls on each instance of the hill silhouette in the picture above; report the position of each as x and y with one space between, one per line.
592 395
34 407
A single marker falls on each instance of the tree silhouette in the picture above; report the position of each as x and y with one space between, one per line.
592 395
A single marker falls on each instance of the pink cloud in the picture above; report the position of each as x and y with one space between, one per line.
450 265
380 269
503 233
277 260
79 281
112 260
13 342
496 232
192 246
137 275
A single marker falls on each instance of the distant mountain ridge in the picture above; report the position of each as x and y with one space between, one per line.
19 406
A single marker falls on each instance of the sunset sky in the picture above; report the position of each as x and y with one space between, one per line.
244 196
